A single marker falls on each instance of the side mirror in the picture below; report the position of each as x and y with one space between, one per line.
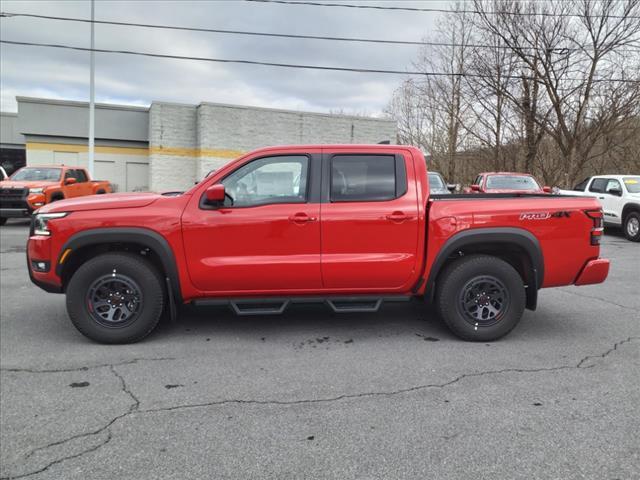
547 189
475 188
615 191
215 194
70 181
452 187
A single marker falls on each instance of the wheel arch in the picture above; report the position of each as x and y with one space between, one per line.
146 242
517 246
628 208
56 194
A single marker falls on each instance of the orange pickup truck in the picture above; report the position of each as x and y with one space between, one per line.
32 187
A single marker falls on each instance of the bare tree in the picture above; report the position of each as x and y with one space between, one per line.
574 50
430 110
489 85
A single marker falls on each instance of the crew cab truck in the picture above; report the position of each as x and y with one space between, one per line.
619 196
350 226
32 187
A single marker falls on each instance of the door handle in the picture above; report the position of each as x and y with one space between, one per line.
601 198
398 217
301 218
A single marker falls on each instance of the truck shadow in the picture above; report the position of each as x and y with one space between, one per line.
318 321
390 320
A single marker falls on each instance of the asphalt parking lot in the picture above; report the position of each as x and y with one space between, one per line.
312 394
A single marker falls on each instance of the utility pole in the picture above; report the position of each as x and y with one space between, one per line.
92 108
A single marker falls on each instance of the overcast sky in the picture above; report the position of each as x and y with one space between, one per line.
54 73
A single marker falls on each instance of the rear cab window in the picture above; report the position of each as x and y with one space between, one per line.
582 185
367 178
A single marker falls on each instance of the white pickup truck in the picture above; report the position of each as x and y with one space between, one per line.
619 196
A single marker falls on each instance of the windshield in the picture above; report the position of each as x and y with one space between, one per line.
435 181
632 184
511 182
37 174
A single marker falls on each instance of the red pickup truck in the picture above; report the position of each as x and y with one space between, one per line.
351 226
32 187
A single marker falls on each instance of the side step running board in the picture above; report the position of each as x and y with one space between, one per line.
277 305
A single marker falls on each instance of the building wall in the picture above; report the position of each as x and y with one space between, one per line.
70 119
10 136
175 145
186 141
12 153
173 153
127 168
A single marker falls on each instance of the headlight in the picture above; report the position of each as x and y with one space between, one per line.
35 190
41 222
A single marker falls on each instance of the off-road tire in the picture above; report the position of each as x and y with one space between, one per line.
457 278
626 227
126 265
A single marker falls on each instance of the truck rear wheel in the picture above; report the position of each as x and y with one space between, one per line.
115 298
480 298
631 226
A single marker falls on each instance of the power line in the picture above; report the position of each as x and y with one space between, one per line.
234 32
283 65
277 35
427 9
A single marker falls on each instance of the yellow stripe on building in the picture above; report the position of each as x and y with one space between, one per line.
72 148
169 151
195 152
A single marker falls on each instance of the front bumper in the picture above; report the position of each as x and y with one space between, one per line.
595 271
15 212
20 205
39 249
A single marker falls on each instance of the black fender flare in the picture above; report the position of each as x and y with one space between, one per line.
142 236
629 207
495 236
58 194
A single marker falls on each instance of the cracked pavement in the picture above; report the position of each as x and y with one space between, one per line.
312 394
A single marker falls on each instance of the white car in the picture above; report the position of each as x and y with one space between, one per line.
619 196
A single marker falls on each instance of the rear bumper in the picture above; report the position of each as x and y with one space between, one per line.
595 271
15 212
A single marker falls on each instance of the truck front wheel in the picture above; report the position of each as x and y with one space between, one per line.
481 298
115 298
632 226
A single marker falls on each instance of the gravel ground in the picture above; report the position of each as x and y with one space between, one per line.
312 394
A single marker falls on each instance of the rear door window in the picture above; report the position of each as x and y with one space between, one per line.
81 176
599 185
366 178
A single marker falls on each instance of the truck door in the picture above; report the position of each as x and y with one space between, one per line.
370 221
613 202
84 186
73 190
600 188
266 236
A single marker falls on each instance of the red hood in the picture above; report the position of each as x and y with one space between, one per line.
101 202
26 184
